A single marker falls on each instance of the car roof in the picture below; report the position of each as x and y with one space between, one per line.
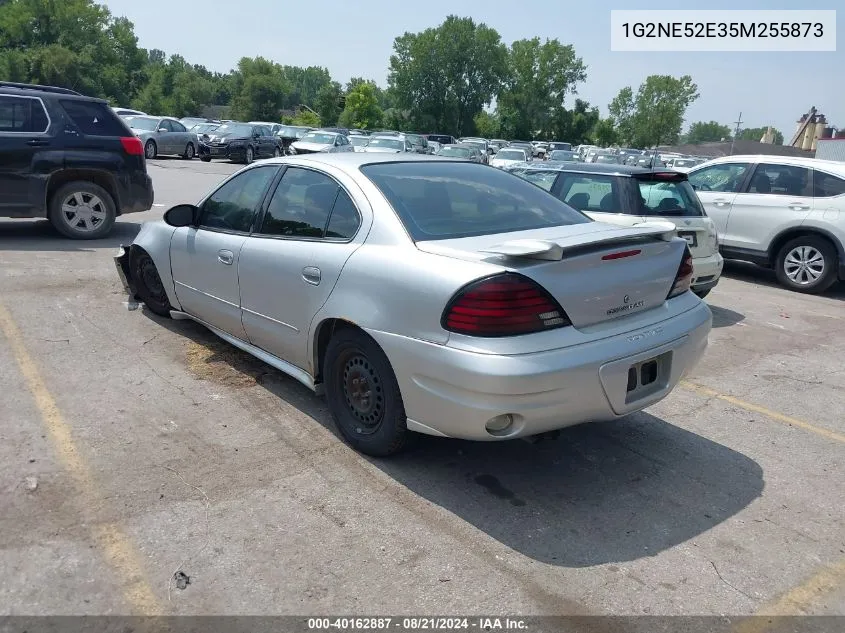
352 161
605 169
801 161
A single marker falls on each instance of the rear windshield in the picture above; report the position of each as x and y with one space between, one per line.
440 138
511 154
93 118
669 198
444 200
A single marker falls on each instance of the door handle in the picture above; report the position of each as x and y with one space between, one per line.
720 203
225 257
311 275
797 206
36 142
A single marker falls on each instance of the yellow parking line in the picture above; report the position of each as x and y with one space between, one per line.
774 415
115 544
798 600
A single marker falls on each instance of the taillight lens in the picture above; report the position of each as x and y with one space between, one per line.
503 305
132 145
684 276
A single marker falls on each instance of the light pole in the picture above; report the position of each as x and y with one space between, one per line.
736 133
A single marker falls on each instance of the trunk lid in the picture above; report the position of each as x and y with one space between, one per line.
596 272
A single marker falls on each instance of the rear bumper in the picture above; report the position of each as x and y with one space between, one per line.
136 193
121 263
454 393
706 271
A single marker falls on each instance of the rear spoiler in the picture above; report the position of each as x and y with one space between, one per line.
554 251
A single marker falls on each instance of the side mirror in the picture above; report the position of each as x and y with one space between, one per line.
181 215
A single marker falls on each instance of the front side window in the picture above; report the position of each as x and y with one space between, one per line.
177 127
588 192
445 200
234 205
302 205
165 125
781 180
826 185
22 115
722 178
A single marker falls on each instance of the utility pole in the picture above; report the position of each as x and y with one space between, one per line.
736 133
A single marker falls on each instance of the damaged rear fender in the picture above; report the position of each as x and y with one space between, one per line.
153 239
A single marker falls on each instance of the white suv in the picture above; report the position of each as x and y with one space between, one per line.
781 212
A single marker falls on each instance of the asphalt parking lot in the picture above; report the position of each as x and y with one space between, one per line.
133 447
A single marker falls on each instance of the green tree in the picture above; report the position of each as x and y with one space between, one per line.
539 77
259 90
706 132
604 133
305 85
574 126
362 107
487 125
444 76
756 133
330 103
71 43
306 118
656 113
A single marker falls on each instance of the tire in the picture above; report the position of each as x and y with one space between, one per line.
148 283
150 150
249 156
373 424
205 159
82 210
702 293
189 152
807 264
276 152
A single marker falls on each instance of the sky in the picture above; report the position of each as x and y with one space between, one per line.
355 38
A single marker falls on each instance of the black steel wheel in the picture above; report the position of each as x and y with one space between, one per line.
363 394
148 283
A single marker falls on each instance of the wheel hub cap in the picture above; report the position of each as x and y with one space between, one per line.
363 393
83 211
804 265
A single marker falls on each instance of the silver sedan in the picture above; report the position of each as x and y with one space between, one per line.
163 135
427 295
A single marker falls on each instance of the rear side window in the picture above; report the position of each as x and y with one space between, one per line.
826 185
675 199
22 115
444 200
781 180
588 192
94 118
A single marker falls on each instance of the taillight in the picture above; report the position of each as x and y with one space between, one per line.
503 305
132 145
684 276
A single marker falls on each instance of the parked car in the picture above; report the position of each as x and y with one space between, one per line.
419 142
443 139
460 151
480 144
559 145
540 149
321 141
191 121
124 112
434 147
786 213
240 142
203 131
406 291
355 132
358 142
389 145
629 196
605 158
564 156
685 164
509 156
274 127
163 135
289 134
336 130
68 158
